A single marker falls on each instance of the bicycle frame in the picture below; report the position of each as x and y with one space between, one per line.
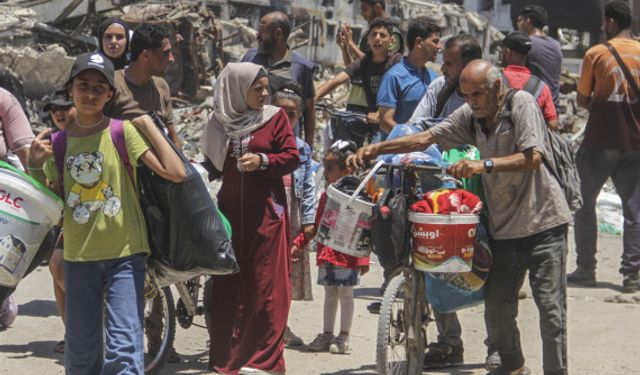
187 297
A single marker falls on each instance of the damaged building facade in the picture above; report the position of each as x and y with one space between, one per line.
316 22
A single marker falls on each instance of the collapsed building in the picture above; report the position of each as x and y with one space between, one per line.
315 24
39 45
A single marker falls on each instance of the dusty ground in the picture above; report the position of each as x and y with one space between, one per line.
603 337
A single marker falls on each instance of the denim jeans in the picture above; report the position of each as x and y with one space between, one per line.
544 256
594 167
104 312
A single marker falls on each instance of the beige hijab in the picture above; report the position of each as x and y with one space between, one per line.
231 117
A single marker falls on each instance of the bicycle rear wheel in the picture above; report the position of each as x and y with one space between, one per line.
160 329
401 332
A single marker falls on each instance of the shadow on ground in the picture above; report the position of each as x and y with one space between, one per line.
41 349
189 364
466 369
362 370
38 308
599 285
366 292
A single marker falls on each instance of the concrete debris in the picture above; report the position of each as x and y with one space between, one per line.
41 71
196 37
452 19
239 37
16 23
624 299
191 121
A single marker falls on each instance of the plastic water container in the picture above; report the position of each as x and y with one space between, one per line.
27 211
443 243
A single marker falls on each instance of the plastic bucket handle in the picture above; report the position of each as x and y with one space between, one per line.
364 181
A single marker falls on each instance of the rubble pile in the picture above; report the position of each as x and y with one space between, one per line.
190 123
452 19
16 23
197 41
41 70
239 38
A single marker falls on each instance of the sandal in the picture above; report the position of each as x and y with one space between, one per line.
59 347
443 355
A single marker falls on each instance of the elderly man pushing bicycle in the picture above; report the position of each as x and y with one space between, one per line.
528 213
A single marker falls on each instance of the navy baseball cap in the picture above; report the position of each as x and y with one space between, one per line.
95 61
58 99
518 42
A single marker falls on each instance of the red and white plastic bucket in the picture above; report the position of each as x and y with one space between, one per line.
443 243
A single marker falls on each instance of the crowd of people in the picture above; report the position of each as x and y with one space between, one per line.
259 141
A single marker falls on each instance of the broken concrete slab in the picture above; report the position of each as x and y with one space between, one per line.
41 72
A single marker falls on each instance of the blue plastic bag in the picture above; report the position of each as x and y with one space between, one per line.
446 298
450 292
400 130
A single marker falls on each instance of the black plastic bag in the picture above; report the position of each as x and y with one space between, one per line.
389 229
186 233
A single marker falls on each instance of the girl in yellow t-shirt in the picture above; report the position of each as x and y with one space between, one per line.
105 233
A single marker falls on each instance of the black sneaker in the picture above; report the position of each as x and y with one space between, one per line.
442 355
374 308
583 277
631 283
493 361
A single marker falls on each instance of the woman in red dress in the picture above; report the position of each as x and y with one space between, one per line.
253 146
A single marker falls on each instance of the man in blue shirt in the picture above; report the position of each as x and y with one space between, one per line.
404 85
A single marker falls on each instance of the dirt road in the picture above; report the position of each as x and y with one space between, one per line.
604 338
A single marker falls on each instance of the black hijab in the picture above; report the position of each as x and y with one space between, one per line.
123 61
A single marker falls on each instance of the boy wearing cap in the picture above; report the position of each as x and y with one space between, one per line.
513 56
545 58
60 109
62 112
105 232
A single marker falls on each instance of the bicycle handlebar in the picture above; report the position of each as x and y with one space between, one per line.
440 172
341 114
412 167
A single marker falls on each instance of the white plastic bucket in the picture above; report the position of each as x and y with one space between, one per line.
443 243
346 224
27 211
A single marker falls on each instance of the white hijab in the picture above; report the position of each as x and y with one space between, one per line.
231 117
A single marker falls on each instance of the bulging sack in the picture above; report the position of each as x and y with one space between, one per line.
187 232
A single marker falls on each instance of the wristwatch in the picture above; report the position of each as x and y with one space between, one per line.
264 162
488 165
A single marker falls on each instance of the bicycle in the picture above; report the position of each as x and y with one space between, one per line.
345 125
182 312
405 311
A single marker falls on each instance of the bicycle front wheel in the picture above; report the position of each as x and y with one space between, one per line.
401 332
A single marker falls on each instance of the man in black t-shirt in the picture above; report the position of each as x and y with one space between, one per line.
370 68
370 10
